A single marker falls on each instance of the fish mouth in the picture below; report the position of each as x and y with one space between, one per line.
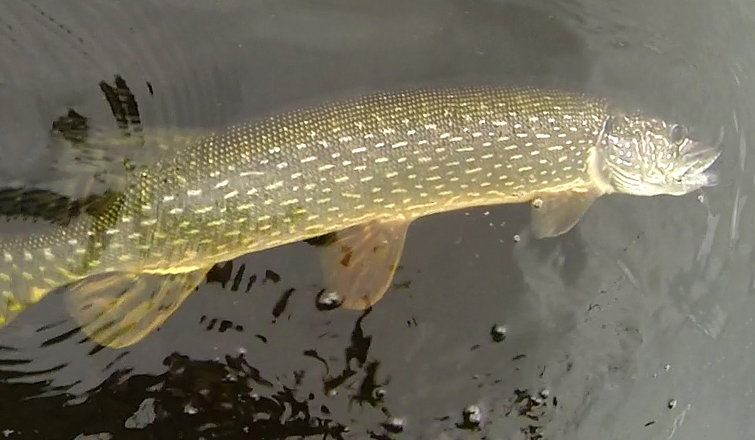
698 158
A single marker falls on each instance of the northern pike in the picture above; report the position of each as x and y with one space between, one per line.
359 169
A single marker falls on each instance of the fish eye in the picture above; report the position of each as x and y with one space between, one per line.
677 134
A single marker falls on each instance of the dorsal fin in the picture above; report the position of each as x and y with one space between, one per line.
73 127
111 157
122 103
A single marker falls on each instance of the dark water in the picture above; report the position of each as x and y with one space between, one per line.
635 325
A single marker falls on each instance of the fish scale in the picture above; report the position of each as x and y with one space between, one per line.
382 160
319 170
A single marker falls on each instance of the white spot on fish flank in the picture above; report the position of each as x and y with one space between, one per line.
194 192
250 173
47 252
218 222
272 186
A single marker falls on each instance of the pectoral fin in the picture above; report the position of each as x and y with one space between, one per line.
359 262
554 214
118 309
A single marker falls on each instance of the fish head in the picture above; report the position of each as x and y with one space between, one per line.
647 156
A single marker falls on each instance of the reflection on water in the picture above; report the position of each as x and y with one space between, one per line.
636 324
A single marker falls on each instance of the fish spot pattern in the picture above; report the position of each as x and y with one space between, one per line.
284 178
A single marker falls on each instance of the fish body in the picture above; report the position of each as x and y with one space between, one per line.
363 169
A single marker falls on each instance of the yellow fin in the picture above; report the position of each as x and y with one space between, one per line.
554 214
118 309
359 262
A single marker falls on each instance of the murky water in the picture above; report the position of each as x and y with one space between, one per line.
636 325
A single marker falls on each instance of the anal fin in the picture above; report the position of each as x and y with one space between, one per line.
359 262
554 214
118 309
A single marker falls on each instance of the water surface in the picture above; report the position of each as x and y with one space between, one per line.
635 325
